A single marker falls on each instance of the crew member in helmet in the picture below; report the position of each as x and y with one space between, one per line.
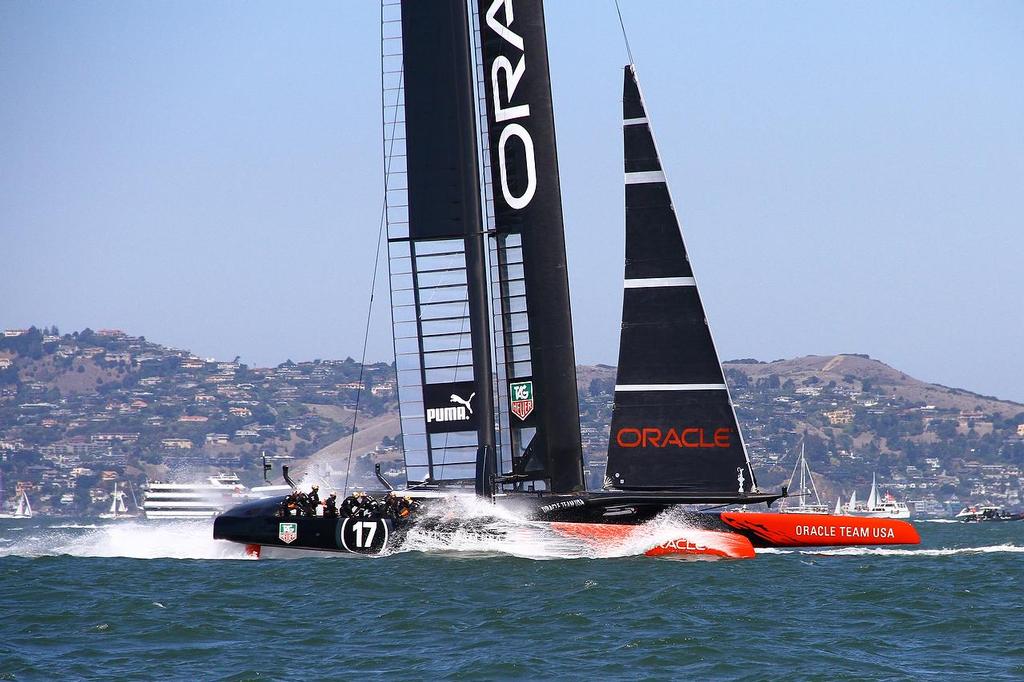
390 505
331 506
314 500
408 506
350 506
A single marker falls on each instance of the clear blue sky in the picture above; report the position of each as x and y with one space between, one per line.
850 175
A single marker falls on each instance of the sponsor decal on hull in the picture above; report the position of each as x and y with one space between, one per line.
703 543
564 504
288 532
816 530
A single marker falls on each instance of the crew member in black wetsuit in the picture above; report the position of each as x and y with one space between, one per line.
302 504
390 505
289 505
350 507
331 506
314 500
367 505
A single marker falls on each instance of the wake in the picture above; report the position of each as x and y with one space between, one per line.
891 551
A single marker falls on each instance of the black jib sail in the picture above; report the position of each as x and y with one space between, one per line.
673 425
530 287
435 242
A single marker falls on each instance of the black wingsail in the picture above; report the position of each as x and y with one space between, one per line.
673 425
435 242
530 287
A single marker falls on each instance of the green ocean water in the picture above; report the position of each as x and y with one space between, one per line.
165 601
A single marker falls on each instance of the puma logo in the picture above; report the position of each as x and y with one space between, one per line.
457 399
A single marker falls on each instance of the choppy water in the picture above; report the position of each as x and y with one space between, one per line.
165 601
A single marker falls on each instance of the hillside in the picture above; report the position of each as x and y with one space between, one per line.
80 410
871 376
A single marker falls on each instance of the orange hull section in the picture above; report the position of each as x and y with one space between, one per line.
821 530
696 543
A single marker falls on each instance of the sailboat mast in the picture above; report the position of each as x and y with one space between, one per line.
528 212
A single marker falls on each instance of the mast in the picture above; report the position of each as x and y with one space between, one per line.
873 495
436 244
530 279
673 425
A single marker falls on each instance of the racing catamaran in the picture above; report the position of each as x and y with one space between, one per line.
482 324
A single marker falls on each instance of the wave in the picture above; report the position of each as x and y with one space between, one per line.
894 551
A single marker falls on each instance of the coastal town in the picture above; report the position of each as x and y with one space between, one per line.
80 412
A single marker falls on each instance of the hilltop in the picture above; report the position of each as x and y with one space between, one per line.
867 375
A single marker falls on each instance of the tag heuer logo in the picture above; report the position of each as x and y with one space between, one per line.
288 532
521 394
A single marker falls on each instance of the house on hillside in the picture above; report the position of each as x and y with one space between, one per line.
839 417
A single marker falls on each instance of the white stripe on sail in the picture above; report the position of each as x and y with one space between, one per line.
640 177
660 282
669 387
634 121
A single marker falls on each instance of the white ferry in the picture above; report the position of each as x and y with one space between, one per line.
193 500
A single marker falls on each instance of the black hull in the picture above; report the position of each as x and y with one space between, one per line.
260 524
617 507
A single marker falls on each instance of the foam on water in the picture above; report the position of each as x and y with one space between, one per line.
894 551
131 539
475 526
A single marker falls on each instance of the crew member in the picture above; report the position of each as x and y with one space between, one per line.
331 506
289 505
350 507
390 505
367 505
302 504
407 506
314 500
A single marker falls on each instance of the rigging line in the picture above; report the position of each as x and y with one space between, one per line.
376 266
625 38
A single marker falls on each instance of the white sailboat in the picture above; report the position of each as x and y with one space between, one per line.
24 510
118 508
802 492
877 507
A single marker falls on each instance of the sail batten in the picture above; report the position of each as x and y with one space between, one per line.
673 424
